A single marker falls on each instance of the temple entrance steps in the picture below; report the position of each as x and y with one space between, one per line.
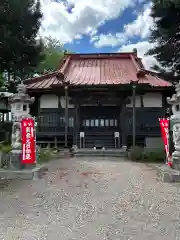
99 140
100 152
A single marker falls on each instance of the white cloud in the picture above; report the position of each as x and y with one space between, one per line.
140 27
85 17
142 48
108 40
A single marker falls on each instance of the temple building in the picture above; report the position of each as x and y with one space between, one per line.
99 100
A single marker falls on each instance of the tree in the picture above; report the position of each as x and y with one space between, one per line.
20 51
165 35
166 74
1 80
53 52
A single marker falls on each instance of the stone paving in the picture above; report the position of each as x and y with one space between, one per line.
91 199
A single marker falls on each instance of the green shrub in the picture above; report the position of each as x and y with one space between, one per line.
5 148
5 155
143 155
44 155
153 156
135 153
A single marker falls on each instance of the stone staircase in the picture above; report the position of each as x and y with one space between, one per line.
100 152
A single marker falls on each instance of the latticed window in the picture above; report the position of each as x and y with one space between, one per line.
100 123
53 119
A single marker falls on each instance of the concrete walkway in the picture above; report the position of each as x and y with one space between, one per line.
91 199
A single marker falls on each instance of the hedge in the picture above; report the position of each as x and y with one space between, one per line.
144 155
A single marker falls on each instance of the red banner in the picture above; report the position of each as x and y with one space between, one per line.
28 141
164 124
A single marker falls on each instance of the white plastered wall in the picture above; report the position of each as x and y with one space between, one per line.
52 101
63 102
49 101
149 100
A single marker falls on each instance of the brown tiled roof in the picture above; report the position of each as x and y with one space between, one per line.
99 69
45 81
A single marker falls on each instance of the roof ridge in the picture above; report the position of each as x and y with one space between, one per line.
135 63
103 53
99 55
65 65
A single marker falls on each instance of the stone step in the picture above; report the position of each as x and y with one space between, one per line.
99 153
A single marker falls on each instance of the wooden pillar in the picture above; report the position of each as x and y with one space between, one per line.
134 115
75 141
66 116
134 86
74 124
123 125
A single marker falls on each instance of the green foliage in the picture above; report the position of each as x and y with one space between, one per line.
144 155
50 62
5 148
5 155
20 51
5 132
1 80
53 53
165 35
45 155
165 74
153 156
135 153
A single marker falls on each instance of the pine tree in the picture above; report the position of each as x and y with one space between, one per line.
20 51
166 36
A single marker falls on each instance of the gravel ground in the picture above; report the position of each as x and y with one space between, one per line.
91 199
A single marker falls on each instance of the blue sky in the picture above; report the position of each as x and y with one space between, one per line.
94 26
112 27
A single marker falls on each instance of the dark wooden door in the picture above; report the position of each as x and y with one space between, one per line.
99 119
99 123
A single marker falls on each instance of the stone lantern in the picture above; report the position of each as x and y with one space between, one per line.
174 101
20 108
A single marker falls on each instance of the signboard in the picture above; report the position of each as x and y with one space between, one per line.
81 134
28 141
164 124
116 134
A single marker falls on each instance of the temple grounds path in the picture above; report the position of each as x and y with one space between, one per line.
91 199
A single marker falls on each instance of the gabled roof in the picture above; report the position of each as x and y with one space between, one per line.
98 69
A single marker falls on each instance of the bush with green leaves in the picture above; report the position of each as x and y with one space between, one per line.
5 148
135 153
153 156
5 155
45 155
144 155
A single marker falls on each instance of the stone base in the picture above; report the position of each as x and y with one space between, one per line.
25 174
15 159
167 174
176 160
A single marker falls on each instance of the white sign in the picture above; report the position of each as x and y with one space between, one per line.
116 134
81 134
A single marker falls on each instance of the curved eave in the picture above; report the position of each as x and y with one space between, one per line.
45 81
